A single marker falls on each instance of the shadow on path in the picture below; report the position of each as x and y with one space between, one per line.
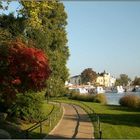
74 124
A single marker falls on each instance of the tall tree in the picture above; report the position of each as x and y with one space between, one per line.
136 81
22 69
46 22
11 27
122 80
88 75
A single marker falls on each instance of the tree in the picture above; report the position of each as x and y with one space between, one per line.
136 81
45 26
42 23
22 68
122 80
55 87
14 26
36 12
88 75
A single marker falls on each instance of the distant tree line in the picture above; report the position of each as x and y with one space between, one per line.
122 80
89 75
136 81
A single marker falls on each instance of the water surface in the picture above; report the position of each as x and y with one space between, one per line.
113 98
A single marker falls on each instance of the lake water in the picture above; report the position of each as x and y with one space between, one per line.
113 98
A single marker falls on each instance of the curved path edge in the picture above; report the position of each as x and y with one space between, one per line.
58 122
74 123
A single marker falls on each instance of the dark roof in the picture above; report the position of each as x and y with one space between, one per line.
75 76
102 73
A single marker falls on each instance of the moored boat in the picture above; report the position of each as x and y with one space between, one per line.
118 89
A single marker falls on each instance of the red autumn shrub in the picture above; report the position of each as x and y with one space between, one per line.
22 68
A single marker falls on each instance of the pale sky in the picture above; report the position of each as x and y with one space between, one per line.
104 36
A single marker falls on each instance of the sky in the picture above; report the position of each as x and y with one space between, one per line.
103 35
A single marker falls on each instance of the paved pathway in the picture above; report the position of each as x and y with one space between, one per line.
74 124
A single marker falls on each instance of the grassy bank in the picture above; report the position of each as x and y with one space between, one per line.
17 128
46 127
116 121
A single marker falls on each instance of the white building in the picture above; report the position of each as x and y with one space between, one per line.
105 79
82 89
75 80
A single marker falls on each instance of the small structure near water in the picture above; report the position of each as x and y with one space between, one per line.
118 89
86 89
100 90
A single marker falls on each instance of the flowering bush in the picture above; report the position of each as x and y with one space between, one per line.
21 69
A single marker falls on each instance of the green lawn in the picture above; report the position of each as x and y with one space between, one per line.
116 121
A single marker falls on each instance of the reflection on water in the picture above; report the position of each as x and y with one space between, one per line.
113 98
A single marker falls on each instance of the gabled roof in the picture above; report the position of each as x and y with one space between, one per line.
76 76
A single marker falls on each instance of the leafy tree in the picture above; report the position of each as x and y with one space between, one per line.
88 75
5 36
15 26
22 69
136 81
55 87
36 12
122 80
45 25
42 23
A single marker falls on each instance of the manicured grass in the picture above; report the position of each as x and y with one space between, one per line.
116 121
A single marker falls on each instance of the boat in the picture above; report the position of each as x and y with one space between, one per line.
118 89
136 89
80 90
99 90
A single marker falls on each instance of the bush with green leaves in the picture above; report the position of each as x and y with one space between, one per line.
55 87
100 98
130 101
81 97
27 106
